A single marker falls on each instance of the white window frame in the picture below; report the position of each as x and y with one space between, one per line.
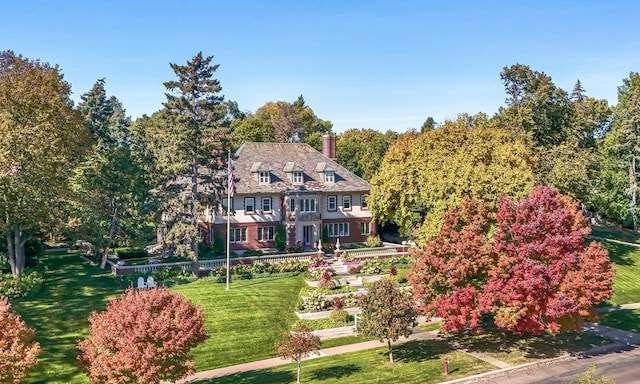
338 229
307 205
264 177
268 231
346 202
365 228
297 177
253 205
329 177
270 206
238 235
363 202
332 203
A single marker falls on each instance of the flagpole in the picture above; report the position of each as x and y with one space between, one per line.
230 185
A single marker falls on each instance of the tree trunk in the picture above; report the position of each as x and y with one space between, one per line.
390 351
633 187
112 232
194 217
15 250
298 381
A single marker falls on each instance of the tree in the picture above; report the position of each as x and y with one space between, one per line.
145 336
450 271
422 175
41 138
535 273
111 184
189 143
387 313
361 150
589 377
18 351
428 125
624 139
297 344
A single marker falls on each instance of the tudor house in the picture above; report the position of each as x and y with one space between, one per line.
293 185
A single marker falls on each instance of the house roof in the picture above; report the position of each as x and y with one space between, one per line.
283 158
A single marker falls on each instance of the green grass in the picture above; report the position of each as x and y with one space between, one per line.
326 323
610 233
346 340
416 362
245 322
59 312
521 349
627 319
627 279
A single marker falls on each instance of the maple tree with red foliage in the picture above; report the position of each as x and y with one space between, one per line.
144 336
18 351
535 274
297 344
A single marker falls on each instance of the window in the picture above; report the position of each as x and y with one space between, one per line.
332 203
266 233
292 205
297 177
329 177
363 201
307 205
337 229
365 228
266 204
264 177
238 235
249 205
346 202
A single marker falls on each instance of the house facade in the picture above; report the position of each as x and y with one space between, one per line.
293 185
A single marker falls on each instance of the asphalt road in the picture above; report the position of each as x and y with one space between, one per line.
622 366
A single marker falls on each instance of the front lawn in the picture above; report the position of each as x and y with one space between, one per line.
245 322
416 362
627 279
522 349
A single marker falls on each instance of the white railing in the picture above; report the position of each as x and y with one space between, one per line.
213 264
373 252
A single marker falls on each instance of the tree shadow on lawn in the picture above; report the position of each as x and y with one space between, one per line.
531 347
627 319
254 377
417 351
335 372
620 253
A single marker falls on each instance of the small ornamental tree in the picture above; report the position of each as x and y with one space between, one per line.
18 351
297 344
387 313
145 336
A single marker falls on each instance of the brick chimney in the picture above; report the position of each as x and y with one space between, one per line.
329 146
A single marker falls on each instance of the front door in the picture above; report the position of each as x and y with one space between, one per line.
307 235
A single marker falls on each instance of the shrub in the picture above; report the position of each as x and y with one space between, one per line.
339 316
337 303
18 351
327 284
218 244
30 282
318 261
347 257
131 253
280 239
148 345
374 241
253 252
351 300
314 302
257 268
372 266
355 269
393 271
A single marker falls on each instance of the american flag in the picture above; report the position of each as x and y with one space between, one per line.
232 184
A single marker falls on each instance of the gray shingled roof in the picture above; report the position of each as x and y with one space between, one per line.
278 158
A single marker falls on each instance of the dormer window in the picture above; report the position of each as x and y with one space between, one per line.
329 177
297 177
264 177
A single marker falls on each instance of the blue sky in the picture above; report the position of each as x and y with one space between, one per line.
360 64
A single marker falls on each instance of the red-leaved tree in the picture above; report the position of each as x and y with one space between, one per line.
297 344
18 351
535 274
547 275
450 272
144 336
